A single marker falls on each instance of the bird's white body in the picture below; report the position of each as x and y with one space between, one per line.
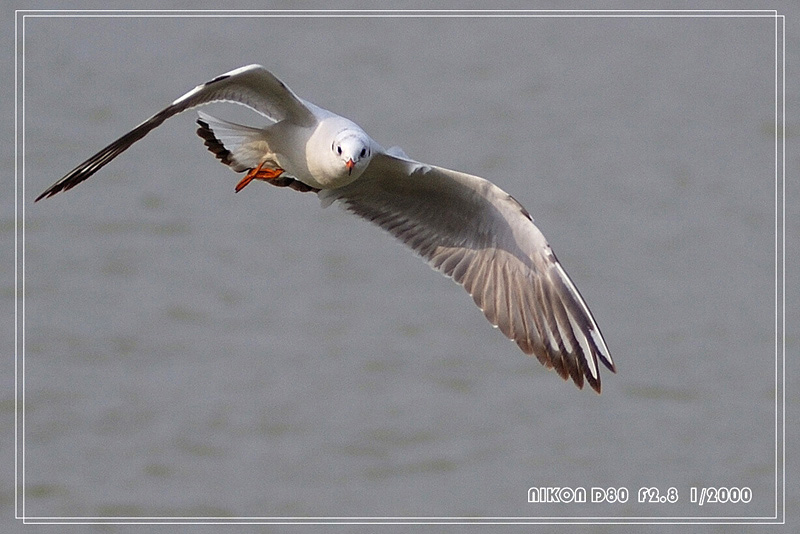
307 153
464 226
328 172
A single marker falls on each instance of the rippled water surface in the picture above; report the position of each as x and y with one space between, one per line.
192 352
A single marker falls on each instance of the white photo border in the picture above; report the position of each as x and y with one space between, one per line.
780 264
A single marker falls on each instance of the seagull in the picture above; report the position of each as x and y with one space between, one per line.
464 226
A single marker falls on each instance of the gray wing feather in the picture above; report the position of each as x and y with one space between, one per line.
471 230
252 86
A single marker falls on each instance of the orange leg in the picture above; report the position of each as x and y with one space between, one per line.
258 174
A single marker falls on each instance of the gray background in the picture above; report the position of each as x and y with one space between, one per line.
191 352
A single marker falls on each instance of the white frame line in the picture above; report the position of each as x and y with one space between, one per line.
780 261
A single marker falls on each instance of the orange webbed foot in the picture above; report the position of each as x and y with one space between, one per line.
259 173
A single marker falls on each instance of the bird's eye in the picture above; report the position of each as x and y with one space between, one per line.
363 152
339 149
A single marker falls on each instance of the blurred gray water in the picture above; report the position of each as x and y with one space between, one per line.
191 352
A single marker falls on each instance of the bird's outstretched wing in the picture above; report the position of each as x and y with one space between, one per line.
476 233
252 86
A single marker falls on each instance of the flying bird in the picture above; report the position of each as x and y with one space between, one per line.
462 225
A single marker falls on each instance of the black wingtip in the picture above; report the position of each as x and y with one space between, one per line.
595 384
66 183
611 365
49 192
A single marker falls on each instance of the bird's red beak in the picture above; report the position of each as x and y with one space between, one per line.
350 164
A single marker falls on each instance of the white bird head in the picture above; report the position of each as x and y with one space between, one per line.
353 149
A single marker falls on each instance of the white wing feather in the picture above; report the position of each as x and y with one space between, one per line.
476 233
252 86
